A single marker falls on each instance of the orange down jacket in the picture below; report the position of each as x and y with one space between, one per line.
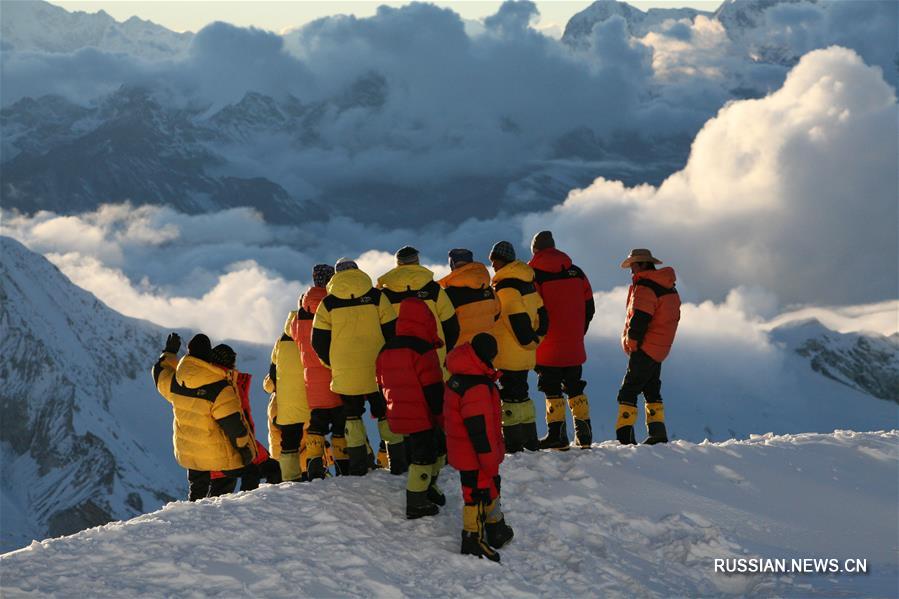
653 312
474 300
316 374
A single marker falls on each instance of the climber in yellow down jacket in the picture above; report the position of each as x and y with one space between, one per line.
285 378
522 325
209 430
349 329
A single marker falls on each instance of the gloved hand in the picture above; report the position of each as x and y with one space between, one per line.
173 343
246 456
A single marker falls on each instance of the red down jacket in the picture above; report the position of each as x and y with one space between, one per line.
568 298
316 374
471 395
241 381
409 372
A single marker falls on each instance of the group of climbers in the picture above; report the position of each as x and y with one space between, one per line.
443 366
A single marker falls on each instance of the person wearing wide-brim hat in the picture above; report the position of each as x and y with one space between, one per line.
653 312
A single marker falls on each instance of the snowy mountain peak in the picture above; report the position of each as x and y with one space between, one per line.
37 26
74 402
580 26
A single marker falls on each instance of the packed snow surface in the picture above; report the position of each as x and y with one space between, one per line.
609 521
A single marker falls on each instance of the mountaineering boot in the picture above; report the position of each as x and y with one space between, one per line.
512 433
417 504
435 493
624 426
528 426
580 410
655 423
290 466
356 447
382 460
396 449
556 429
497 531
315 456
339 455
473 542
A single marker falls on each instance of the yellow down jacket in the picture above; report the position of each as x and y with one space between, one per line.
349 330
286 373
205 402
413 280
523 321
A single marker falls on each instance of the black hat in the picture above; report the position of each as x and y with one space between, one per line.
406 255
503 250
543 241
223 355
321 274
200 347
460 255
485 348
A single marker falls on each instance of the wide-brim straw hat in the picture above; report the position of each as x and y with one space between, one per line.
640 255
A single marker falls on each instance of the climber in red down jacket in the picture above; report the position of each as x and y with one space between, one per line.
473 421
411 379
568 299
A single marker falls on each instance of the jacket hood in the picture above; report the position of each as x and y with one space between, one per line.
194 372
417 320
663 276
550 260
473 275
408 276
515 270
349 284
464 360
291 316
312 298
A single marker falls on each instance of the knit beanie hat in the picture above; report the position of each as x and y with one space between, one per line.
200 347
406 255
503 250
345 264
485 348
543 241
460 255
223 355
321 274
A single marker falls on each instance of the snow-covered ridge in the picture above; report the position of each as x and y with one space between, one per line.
610 521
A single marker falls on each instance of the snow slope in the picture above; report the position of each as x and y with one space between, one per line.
612 521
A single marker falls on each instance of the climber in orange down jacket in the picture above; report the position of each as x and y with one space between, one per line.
325 405
568 299
473 423
653 312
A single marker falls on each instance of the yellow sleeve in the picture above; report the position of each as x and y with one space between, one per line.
510 303
385 310
267 385
445 309
322 319
167 373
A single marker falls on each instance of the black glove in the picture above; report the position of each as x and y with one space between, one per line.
246 456
173 343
